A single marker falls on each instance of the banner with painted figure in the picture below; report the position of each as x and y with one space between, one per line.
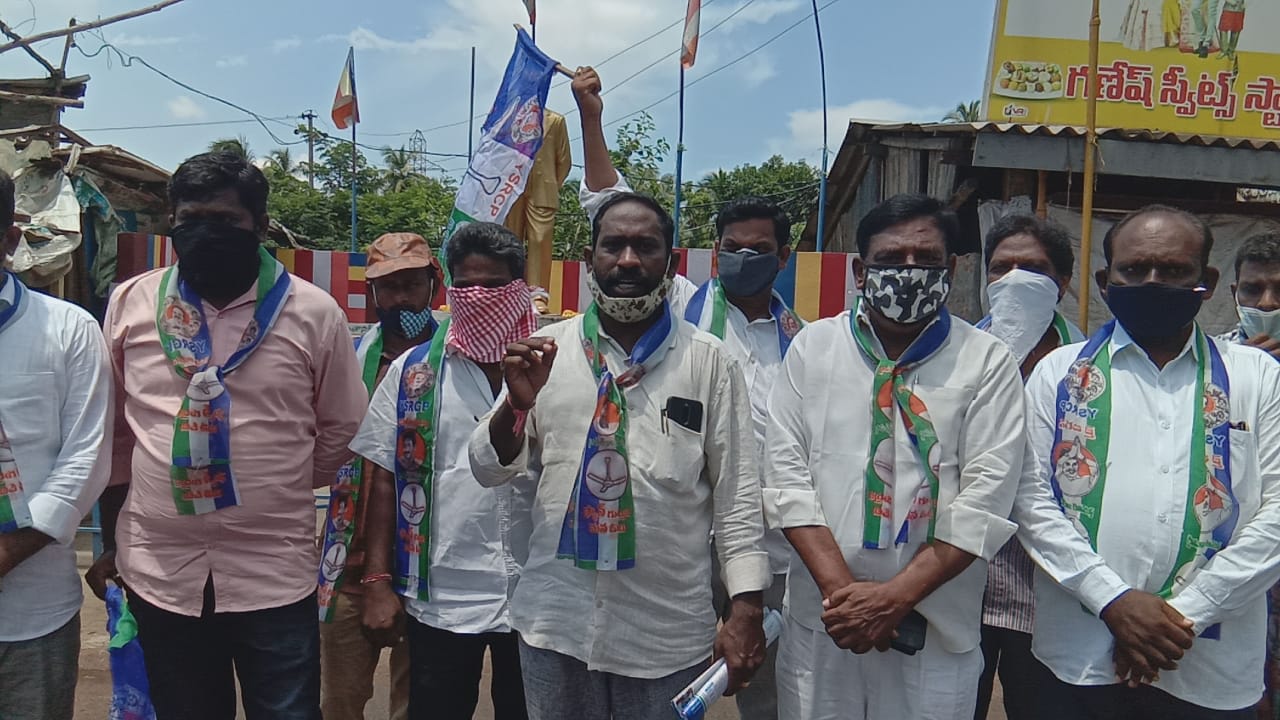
509 140
1189 66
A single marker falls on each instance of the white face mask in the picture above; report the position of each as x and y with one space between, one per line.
1022 307
1255 322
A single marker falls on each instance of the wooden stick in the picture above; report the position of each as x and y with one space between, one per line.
41 99
9 33
41 37
559 68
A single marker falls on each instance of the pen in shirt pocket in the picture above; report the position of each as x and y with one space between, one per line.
1242 426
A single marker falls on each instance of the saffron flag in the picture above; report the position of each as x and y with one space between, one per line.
532 7
509 140
689 47
346 109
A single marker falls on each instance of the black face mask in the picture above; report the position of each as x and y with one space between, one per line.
218 261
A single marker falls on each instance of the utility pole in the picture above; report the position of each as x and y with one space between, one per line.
310 117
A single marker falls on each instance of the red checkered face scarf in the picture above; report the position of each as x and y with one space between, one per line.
486 320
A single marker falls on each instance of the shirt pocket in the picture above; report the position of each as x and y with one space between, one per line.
1246 485
30 408
678 456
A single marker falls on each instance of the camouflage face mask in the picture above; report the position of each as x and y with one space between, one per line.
906 294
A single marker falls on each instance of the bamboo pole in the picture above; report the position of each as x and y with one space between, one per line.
1042 194
41 37
1090 169
40 99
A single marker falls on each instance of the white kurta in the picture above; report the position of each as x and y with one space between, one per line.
656 618
1141 522
816 456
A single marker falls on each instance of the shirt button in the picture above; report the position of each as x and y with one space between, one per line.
599 604
1165 424
1163 518
1164 469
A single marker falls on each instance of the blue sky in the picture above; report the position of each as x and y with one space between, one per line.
889 59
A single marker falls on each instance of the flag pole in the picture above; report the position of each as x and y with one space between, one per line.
679 162
822 188
471 116
1090 168
354 189
355 120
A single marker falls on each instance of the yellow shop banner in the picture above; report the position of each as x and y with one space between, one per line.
1189 66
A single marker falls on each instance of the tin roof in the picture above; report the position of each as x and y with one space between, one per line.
1160 136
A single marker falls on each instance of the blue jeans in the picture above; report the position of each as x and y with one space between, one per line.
193 662
558 687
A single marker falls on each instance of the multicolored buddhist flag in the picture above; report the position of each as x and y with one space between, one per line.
689 47
532 7
509 140
346 108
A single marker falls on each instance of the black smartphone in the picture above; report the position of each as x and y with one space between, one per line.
911 633
685 413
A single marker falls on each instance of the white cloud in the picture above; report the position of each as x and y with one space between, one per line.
760 12
805 126
757 70
288 43
139 41
183 107
233 61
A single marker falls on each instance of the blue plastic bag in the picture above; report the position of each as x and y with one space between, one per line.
130 691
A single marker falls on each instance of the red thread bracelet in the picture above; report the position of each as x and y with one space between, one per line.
521 416
375 578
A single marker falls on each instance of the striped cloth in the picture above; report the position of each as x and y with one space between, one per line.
486 320
1010 602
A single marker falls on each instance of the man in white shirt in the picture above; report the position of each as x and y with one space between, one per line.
893 433
600 180
1158 533
55 400
741 308
638 446
436 537
1029 268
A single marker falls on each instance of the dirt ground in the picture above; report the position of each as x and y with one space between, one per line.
93 693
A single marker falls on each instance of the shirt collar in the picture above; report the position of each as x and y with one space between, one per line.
250 296
1120 339
7 291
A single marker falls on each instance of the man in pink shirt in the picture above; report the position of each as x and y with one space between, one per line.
238 392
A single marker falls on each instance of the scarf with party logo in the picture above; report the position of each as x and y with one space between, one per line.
599 530
344 495
708 310
889 391
14 512
418 412
1082 440
200 474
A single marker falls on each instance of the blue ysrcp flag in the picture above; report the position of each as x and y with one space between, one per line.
509 140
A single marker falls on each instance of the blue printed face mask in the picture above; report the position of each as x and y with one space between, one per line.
404 321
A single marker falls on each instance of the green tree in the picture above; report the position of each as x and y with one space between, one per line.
237 146
281 160
792 185
964 113
333 170
399 173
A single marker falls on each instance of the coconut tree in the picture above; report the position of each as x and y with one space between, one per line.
282 160
964 113
400 172
237 146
